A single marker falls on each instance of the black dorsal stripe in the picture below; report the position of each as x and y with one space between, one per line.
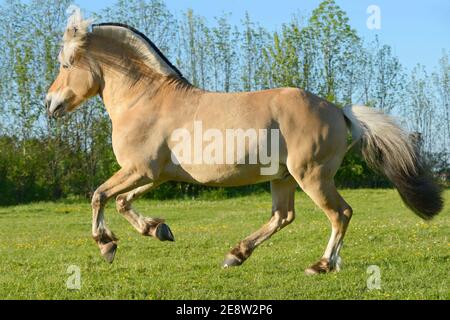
143 36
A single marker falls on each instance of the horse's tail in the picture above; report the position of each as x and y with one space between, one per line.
387 148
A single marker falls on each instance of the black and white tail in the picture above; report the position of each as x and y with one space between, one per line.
387 148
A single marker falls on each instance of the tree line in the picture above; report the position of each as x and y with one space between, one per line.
43 159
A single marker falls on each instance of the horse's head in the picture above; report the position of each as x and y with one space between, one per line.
76 81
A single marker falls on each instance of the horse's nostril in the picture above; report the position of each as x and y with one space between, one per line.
57 111
59 106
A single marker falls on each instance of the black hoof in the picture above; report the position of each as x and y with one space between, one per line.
231 261
164 233
108 251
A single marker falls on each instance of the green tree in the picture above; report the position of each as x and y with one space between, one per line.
441 81
334 39
225 39
252 43
421 106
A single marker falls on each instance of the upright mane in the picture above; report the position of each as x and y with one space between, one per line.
77 34
131 37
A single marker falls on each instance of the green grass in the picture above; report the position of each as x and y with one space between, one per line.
38 242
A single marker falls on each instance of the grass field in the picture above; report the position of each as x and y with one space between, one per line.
38 243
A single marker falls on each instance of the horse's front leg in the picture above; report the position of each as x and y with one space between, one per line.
146 226
121 181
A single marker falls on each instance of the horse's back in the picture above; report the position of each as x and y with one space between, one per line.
304 119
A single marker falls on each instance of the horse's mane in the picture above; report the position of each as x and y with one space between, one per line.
141 43
77 34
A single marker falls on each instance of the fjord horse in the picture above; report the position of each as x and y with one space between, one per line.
148 99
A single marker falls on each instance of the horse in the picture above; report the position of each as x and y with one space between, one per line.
148 99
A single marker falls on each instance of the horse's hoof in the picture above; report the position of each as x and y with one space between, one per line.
108 251
231 261
164 233
311 271
320 267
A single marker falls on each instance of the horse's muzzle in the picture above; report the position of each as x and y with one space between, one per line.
54 112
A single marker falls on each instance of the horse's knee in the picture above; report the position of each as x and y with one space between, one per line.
284 217
281 218
98 200
122 204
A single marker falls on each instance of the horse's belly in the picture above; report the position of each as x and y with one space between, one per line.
225 175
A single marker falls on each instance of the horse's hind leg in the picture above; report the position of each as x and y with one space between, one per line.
144 225
318 184
282 214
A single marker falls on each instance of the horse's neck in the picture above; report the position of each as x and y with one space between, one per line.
121 92
158 92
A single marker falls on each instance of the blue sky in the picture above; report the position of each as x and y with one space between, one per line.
417 30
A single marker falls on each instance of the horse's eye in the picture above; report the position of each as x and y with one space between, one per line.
65 66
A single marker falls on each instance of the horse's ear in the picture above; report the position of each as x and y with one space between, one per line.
71 33
75 35
77 26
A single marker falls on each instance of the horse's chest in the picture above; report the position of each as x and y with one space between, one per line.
135 145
